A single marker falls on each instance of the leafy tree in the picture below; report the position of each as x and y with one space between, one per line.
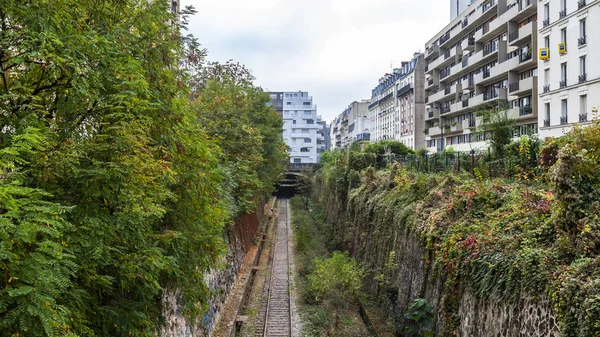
498 125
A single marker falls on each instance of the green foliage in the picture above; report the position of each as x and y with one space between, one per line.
420 316
504 238
111 190
499 126
339 273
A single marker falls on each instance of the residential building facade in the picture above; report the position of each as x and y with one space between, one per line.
303 129
458 6
483 59
397 104
568 61
352 125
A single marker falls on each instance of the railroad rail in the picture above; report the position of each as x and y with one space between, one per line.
278 313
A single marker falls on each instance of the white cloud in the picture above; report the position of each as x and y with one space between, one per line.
336 50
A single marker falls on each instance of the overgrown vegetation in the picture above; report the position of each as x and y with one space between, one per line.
533 233
111 190
328 284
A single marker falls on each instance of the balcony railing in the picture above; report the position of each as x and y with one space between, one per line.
513 36
546 122
546 88
580 4
564 120
524 4
581 41
525 56
583 117
582 78
444 109
546 23
490 95
444 38
513 87
465 22
562 14
488 5
525 110
563 84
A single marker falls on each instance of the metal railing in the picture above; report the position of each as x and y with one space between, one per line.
564 120
525 110
546 88
546 23
563 84
581 41
562 14
546 122
582 78
580 4
583 117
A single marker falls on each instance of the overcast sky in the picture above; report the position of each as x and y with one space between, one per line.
335 49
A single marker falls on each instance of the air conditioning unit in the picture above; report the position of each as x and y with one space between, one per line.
562 48
544 53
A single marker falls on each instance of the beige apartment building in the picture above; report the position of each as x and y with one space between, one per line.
484 57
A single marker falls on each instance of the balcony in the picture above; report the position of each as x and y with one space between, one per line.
475 100
524 34
562 84
581 41
455 127
523 4
444 73
564 120
363 137
493 95
546 122
583 118
444 38
433 114
489 48
525 110
468 44
435 131
525 85
432 51
580 4
513 87
444 109
562 14
582 78
546 88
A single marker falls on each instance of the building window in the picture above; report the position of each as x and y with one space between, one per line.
563 5
306 103
564 119
563 35
307 140
547 42
304 149
563 74
297 161
288 103
582 65
305 131
547 110
547 12
310 121
582 28
294 121
583 104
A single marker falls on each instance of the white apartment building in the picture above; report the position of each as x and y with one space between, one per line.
458 6
397 105
352 125
568 61
483 58
303 130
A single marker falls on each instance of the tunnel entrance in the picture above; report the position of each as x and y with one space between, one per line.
292 180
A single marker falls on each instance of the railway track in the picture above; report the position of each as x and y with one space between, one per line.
276 312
